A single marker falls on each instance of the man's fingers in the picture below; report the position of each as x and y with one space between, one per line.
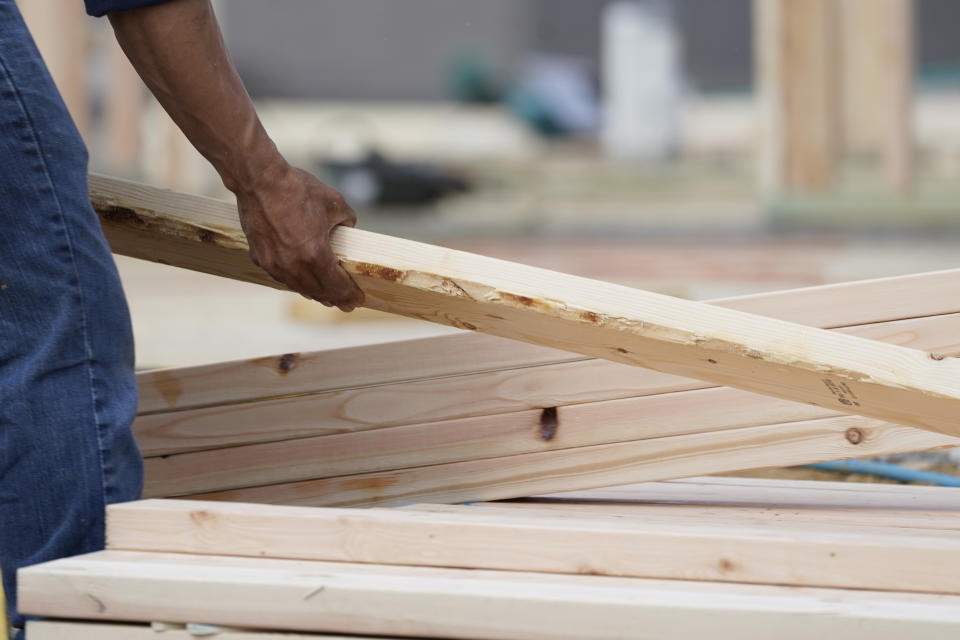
350 219
342 290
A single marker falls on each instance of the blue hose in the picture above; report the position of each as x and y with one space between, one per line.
888 470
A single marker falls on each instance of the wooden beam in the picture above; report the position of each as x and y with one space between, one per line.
482 437
59 630
797 77
336 370
124 102
61 30
627 545
456 603
877 69
602 465
522 389
704 516
348 448
576 314
830 306
718 490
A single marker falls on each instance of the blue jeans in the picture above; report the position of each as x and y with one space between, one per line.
67 390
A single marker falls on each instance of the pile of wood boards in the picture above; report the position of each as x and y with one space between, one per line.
708 342
704 557
270 451
473 417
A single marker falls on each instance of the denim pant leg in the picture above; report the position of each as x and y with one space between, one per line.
67 391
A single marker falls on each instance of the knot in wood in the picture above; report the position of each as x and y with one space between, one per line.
287 363
854 435
549 422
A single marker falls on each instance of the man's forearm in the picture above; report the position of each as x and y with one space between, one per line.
286 213
179 52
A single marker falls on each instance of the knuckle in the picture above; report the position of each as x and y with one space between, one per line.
337 198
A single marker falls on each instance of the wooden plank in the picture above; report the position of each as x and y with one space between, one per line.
596 319
870 301
337 370
468 604
877 68
859 557
124 103
60 630
61 31
797 44
602 465
720 490
709 515
482 394
483 437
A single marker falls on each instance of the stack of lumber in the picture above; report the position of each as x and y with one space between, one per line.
596 319
607 386
472 417
705 557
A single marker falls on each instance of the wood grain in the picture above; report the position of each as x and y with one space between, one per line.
830 306
602 465
714 490
59 630
589 317
449 398
627 545
484 437
767 516
467 604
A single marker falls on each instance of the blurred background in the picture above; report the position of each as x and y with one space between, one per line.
700 149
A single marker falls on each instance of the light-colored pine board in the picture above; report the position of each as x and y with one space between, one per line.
718 490
634 419
726 515
877 84
375 407
859 557
602 465
335 370
451 603
63 36
60 630
797 74
604 320
481 394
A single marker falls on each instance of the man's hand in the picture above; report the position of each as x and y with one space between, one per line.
288 223
287 214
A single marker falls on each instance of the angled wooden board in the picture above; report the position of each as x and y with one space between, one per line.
584 316
831 306
720 490
602 465
467 604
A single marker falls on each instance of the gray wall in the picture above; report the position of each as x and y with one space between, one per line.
368 49
401 49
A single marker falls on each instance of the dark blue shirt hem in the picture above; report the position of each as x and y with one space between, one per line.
102 7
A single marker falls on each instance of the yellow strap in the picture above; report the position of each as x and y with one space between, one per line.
4 626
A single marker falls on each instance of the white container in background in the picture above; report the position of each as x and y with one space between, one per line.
642 81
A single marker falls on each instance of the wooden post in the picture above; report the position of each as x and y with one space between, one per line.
60 29
124 112
796 47
877 85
